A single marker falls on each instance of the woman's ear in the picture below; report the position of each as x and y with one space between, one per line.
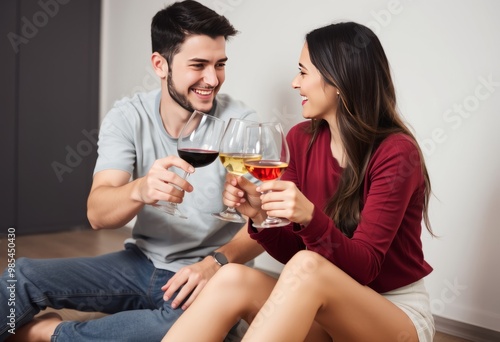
160 65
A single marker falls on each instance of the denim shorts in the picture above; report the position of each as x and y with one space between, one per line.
414 300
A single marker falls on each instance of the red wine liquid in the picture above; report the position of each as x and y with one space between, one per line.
198 157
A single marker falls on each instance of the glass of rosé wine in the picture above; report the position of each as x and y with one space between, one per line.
270 143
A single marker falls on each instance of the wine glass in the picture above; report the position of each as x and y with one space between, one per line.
198 144
232 153
272 146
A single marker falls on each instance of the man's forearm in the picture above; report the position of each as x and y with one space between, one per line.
112 207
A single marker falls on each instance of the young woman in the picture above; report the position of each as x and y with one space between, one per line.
356 191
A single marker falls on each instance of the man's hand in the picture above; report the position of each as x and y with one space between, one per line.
114 200
192 279
161 184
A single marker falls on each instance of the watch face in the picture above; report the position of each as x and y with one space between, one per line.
220 258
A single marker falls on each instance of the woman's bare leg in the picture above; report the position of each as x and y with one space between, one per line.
310 289
235 292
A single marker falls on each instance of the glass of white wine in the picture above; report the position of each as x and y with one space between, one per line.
234 150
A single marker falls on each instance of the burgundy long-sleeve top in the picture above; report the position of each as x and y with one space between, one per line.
385 251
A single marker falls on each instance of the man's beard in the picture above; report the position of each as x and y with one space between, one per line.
181 100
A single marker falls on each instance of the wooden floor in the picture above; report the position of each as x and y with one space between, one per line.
86 242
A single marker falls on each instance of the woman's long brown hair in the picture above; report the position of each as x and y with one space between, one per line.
350 57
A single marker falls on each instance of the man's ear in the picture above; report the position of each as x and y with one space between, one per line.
160 65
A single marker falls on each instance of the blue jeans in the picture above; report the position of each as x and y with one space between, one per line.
124 284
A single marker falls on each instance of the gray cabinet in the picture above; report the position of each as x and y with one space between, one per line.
49 84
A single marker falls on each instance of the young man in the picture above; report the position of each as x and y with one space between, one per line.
168 260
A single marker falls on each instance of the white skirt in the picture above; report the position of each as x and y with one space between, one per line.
414 300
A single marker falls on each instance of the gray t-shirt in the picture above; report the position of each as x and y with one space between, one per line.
131 138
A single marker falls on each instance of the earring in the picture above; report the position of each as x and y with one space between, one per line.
338 92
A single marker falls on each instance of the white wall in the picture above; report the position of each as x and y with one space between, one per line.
445 59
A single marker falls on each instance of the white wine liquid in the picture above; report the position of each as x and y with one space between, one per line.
235 162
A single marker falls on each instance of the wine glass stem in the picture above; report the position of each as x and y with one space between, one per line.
186 175
270 219
232 210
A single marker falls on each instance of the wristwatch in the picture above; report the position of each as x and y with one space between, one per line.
219 258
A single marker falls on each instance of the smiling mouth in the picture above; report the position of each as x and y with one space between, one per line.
203 92
304 99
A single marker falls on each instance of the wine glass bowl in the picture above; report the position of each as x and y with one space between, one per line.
198 144
265 170
233 151
272 146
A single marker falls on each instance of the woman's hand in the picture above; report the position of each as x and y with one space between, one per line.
284 199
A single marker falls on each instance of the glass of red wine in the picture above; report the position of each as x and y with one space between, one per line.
270 143
198 144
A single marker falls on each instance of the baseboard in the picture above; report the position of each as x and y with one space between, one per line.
465 330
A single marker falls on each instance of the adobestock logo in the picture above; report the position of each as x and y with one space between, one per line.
30 28
383 17
459 112
296 271
380 19
75 156
150 81
449 294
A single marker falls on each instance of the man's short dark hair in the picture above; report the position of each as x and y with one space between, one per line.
171 26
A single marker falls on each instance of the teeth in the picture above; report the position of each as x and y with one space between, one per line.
304 98
203 92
